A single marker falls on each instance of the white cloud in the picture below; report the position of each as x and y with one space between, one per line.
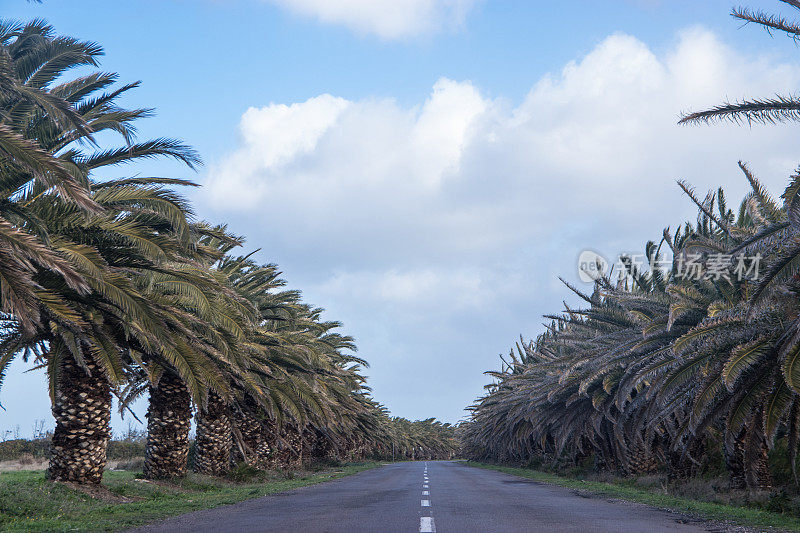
422 288
272 137
459 172
291 149
388 19
440 228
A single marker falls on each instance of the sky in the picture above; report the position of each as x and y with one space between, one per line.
425 170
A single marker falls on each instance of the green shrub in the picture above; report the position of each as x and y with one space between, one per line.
14 449
244 473
17 449
120 449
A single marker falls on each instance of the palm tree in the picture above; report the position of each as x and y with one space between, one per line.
118 321
764 110
209 324
660 362
113 288
205 330
25 163
75 331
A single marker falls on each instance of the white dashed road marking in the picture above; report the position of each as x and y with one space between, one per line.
426 524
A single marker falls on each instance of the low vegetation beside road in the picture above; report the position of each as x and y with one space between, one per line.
30 503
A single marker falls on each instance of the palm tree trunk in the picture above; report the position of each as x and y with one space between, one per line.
288 451
214 438
682 465
253 431
748 461
763 475
734 462
640 458
169 419
756 457
320 446
264 450
82 409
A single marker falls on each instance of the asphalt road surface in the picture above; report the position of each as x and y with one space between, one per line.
441 496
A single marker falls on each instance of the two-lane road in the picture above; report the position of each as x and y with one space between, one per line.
440 496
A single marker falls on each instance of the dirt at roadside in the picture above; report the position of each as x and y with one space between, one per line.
39 463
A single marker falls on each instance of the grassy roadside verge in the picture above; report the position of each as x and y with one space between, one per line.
30 503
741 515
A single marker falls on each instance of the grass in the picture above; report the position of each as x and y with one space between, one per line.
622 489
28 502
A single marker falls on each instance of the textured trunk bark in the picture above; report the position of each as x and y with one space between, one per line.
756 458
640 458
169 418
763 477
681 465
290 448
82 410
214 438
255 433
357 450
580 455
748 462
319 446
734 462
264 451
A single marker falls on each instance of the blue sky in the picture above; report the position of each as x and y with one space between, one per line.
203 63
428 182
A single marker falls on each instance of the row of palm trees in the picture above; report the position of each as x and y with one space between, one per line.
663 363
114 288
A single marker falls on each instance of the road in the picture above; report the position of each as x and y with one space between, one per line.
441 496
